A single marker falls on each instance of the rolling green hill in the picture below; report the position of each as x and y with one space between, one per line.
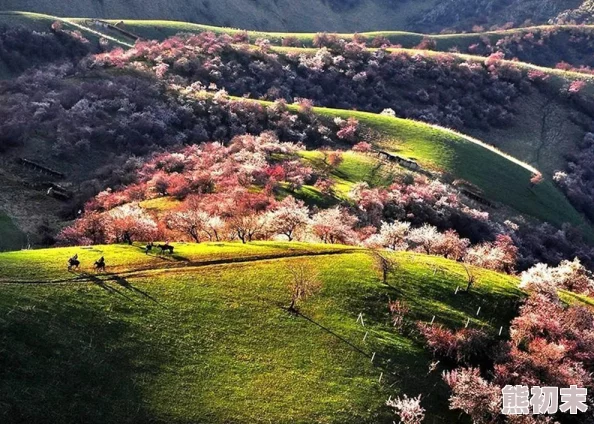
500 177
41 22
207 328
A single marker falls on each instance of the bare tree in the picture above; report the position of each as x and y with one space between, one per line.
470 277
304 283
384 263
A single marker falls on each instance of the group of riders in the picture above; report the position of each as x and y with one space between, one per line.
74 263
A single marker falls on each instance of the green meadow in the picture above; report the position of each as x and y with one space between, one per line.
194 340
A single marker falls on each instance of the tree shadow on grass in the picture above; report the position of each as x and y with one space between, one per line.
403 371
126 284
101 283
61 362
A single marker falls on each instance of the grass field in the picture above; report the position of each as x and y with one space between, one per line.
212 343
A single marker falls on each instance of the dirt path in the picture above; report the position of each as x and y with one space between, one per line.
85 277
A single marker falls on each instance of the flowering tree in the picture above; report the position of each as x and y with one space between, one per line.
362 147
393 235
424 238
536 179
333 159
550 344
499 256
569 275
450 245
348 129
333 225
87 230
289 217
128 223
408 409
191 220
247 225
474 395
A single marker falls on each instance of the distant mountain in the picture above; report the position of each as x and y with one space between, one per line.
319 15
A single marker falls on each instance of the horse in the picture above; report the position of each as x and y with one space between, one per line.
73 263
165 248
148 248
100 264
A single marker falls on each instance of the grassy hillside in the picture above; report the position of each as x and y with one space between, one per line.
561 47
500 177
216 338
41 22
546 126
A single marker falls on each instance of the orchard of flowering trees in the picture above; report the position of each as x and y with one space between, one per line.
441 89
548 46
120 118
551 344
231 192
342 75
21 48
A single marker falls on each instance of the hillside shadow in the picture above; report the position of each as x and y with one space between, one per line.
70 364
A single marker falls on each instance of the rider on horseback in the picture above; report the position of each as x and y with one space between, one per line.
73 262
100 264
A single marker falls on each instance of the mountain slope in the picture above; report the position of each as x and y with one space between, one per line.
314 15
217 339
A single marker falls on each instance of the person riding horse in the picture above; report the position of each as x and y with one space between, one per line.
100 264
148 248
73 262
165 248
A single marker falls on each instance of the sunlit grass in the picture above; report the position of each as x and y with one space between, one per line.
217 339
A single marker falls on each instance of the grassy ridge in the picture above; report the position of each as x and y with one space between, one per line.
216 338
500 177
161 29
49 264
354 168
